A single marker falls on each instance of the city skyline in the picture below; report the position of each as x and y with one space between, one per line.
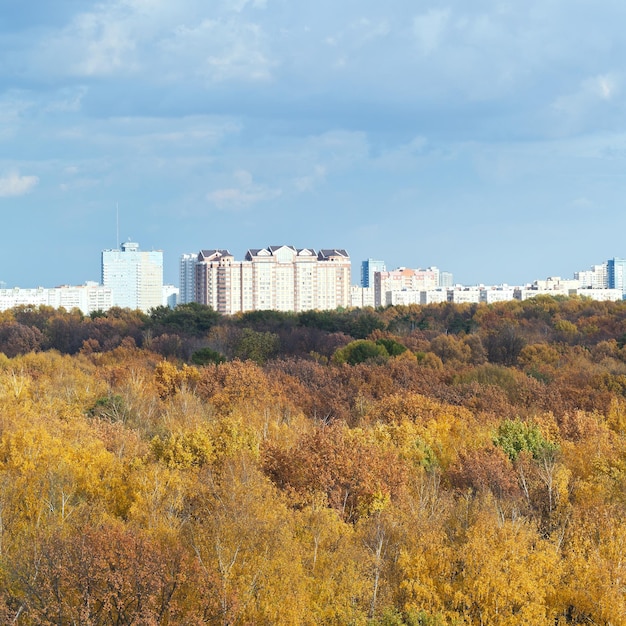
285 278
487 138
182 275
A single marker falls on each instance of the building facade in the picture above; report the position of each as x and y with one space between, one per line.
187 278
361 297
595 278
135 277
280 278
87 298
616 274
403 279
368 269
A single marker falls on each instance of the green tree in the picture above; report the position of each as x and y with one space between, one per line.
191 319
257 347
360 351
515 437
205 356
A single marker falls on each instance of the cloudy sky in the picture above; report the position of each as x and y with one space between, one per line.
486 137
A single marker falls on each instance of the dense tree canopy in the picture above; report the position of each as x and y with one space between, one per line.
434 465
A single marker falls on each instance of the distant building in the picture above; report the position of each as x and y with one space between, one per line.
434 296
611 295
524 293
368 269
170 296
595 278
361 297
87 298
464 295
280 278
616 274
500 293
135 277
187 278
556 283
403 279
446 280
403 297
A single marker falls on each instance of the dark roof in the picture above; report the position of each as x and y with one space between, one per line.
252 252
274 248
205 255
328 252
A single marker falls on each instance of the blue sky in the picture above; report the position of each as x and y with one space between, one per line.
487 137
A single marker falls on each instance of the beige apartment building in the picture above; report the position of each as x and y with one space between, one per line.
403 279
280 278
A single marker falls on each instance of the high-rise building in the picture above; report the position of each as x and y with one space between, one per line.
187 284
170 296
281 278
403 279
595 278
616 274
446 279
135 277
368 269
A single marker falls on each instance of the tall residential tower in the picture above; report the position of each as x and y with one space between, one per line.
281 278
368 269
187 284
134 277
616 274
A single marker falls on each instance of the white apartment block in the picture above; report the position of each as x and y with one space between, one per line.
404 279
402 297
595 278
523 293
135 277
434 296
464 295
187 278
611 295
280 278
556 283
361 297
500 293
88 298
17 296
170 296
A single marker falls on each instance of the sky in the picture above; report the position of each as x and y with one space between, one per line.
487 138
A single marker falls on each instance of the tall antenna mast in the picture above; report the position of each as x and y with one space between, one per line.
117 225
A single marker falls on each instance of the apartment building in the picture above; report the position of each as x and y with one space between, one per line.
281 278
135 277
88 298
595 278
403 279
368 271
187 278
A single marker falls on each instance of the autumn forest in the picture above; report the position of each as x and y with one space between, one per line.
435 465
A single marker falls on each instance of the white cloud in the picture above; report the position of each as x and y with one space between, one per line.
100 42
109 46
308 183
429 29
218 50
243 195
13 184
339 149
160 41
607 86
68 101
13 109
595 96
240 5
